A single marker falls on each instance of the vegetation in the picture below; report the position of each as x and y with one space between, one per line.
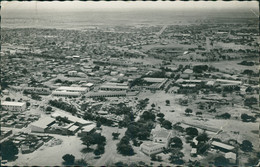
247 118
192 131
167 124
176 157
246 146
69 159
124 147
250 101
188 111
9 150
176 142
224 116
64 106
220 161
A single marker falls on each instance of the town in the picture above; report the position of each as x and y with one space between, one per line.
142 95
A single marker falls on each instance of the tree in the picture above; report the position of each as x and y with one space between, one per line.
246 146
188 111
192 131
115 135
9 150
176 157
24 71
153 157
49 108
176 142
153 105
250 101
68 159
161 115
220 161
80 162
124 147
202 137
198 113
8 99
28 104
247 118
167 124
224 116
167 102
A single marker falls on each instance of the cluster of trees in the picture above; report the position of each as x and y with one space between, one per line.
64 106
200 68
95 138
140 130
121 109
247 118
9 150
155 157
224 116
69 159
138 82
124 147
250 101
142 104
176 157
246 63
36 97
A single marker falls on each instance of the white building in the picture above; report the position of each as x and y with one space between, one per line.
72 89
13 106
150 148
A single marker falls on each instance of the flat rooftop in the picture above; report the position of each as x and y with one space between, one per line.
67 88
12 103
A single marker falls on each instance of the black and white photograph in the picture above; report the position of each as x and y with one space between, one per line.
130 83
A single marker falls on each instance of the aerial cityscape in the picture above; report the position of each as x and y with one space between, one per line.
161 84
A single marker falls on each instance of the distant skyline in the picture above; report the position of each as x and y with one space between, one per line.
129 5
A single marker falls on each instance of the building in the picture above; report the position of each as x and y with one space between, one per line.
42 124
232 157
13 106
230 82
107 94
86 130
66 94
162 136
222 146
157 83
37 90
114 86
72 89
150 148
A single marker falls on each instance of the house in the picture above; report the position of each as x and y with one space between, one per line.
72 89
13 106
232 157
150 148
42 124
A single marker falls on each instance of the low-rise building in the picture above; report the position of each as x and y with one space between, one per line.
222 146
13 106
42 124
150 148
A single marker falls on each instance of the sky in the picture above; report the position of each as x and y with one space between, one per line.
126 5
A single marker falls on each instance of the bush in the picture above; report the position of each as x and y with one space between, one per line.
224 116
247 118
